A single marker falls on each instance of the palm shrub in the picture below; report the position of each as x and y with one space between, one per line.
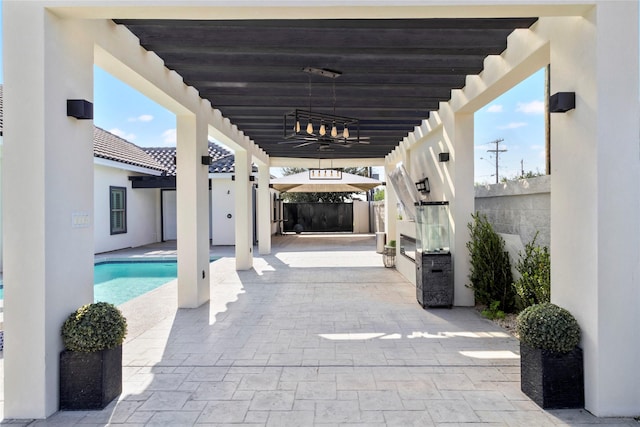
534 266
490 274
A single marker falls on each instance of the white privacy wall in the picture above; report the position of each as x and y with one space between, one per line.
360 216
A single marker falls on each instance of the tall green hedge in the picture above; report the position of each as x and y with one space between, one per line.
534 266
490 274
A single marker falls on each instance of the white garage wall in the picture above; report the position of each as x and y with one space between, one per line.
142 211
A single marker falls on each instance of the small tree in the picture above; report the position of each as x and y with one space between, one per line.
534 266
490 275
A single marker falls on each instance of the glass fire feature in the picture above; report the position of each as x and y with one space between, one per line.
434 275
432 219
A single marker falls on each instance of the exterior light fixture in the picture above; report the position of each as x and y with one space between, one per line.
295 134
423 186
561 102
81 109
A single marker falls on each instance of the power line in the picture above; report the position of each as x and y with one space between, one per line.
497 151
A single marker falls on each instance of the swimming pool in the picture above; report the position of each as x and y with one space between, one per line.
120 281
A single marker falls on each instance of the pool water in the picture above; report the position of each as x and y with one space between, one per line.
120 281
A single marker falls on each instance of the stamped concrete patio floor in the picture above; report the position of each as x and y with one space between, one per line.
318 334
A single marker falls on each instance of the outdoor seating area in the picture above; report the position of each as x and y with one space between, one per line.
317 333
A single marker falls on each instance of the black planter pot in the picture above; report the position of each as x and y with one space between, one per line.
90 380
552 380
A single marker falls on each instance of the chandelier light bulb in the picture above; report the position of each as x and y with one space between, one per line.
297 126
346 132
323 129
309 128
334 131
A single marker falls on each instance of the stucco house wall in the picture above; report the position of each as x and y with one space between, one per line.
143 222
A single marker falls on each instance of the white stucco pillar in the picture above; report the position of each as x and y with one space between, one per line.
47 192
192 211
461 196
1 203
244 211
390 204
595 198
264 210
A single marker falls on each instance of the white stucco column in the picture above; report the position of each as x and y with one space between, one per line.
264 210
462 203
595 198
390 204
1 204
244 211
47 192
192 212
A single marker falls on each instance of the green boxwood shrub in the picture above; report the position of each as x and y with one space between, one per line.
94 327
548 327
534 266
490 274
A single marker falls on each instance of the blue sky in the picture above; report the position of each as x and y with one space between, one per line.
125 112
517 117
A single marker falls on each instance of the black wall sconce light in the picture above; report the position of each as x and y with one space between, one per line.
207 160
251 178
81 109
561 102
423 186
443 157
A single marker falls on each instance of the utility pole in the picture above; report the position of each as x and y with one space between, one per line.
497 151
522 168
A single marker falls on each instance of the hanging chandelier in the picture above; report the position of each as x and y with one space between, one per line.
307 127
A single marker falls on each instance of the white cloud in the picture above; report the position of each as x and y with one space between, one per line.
169 137
141 118
512 125
122 134
495 108
533 107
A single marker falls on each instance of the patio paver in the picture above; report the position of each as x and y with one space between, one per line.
318 333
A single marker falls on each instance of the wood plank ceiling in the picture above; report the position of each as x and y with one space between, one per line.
394 72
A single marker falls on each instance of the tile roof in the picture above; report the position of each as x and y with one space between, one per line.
223 160
111 147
